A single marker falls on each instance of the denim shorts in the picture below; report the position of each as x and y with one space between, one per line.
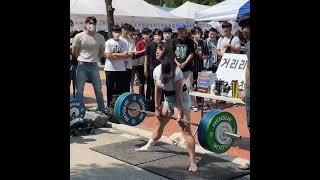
170 103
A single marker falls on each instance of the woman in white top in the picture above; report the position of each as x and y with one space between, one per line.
169 82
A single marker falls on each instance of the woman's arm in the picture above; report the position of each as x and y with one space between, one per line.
157 98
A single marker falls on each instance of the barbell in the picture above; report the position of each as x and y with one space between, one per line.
216 130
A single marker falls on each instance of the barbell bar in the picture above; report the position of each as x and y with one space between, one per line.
149 112
229 134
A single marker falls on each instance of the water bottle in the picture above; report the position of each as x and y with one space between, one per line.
235 88
212 88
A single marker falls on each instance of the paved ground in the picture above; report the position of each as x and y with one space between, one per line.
87 164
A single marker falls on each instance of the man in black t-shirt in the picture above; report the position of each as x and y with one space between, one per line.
150 63
200 53
184 52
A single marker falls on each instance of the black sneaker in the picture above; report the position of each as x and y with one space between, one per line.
108 112
114 120
150 106
152 109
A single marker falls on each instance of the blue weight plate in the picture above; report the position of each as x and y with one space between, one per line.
115 107
119 105
203 123
132 118
200 127
203 132
124 95
77 109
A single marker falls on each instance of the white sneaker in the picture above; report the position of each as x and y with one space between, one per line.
144 148
195 109
147 147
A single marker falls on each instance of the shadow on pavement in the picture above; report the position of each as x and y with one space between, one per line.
120 172
106 130
81 140
113 172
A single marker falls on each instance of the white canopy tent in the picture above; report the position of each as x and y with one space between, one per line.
167 9
224 11
218 26
188 10
136 12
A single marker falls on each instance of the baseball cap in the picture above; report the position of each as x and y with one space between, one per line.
181 26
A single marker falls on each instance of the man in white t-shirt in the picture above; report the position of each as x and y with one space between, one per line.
116 52
126 28
88 47
228 43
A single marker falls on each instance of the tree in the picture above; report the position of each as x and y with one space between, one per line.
173 3
213 2
110 19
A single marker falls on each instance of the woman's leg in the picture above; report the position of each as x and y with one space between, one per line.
157 132
190 142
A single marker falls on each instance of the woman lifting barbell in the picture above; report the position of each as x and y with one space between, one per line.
169 81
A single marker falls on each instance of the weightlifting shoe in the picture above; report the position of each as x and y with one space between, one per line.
144 148
147 147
